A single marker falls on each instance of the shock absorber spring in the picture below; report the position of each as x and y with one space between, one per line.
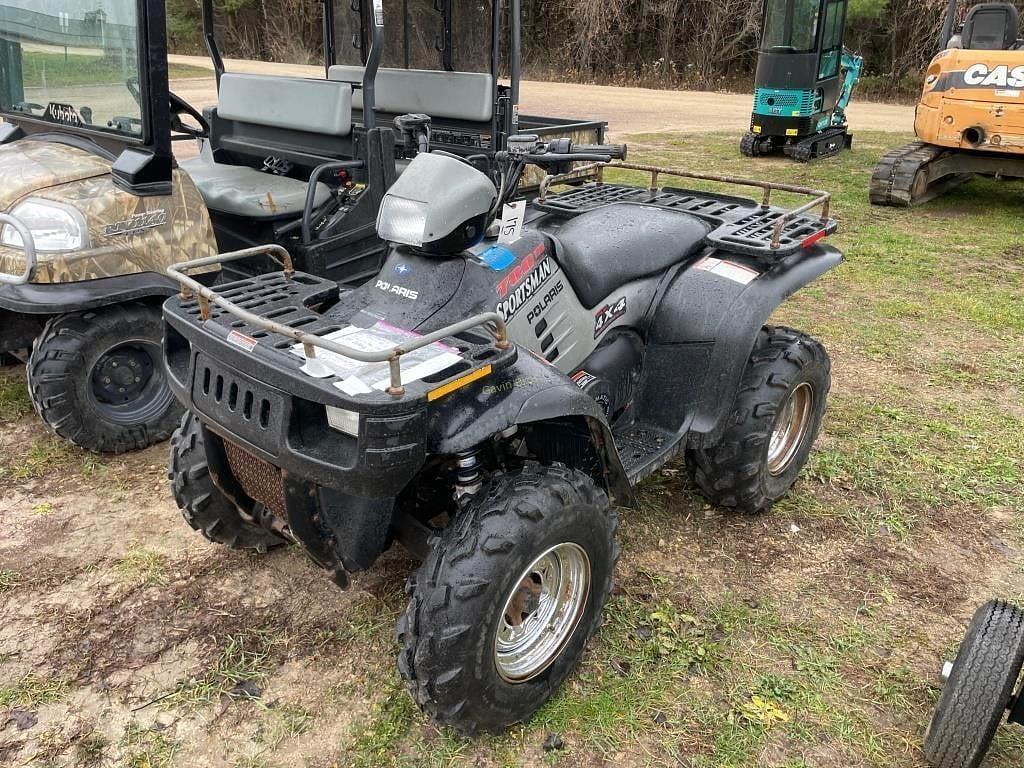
467 478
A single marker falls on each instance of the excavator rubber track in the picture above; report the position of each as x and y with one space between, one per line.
912 175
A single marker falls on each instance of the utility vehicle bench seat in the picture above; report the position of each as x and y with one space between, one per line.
285 103
442 95
244 191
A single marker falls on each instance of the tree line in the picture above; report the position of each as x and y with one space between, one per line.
707 44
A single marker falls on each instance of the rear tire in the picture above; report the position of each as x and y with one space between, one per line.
202 504
505 602
980 685
785 386
97 378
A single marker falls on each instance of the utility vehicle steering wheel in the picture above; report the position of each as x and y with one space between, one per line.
179 107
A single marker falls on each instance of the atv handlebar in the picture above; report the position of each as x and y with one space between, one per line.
614 151
28 244
206 296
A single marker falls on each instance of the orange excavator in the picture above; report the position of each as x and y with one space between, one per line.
970 119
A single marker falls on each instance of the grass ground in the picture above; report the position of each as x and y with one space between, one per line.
808 637
40 68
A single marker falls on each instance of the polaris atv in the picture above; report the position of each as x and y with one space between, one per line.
489 396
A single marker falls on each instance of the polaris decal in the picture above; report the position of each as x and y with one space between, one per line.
405 293
542 305
607 315
519 272
525 290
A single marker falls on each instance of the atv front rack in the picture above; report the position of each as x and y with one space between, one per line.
28 246
207 297
739 224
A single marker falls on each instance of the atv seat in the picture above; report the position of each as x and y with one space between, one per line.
991 27
602 250
283 112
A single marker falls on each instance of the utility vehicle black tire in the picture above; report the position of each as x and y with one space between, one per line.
202 504
74 349
739 472
458 597
979 687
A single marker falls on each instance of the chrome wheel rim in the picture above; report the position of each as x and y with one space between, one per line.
791 428
543 611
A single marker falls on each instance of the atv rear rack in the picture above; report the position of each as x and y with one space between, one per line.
28 246
741 224
206 297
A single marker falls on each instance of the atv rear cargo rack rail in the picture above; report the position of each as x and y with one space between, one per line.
207 297
740 224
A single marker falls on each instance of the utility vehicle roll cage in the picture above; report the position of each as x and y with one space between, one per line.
459 135
491 321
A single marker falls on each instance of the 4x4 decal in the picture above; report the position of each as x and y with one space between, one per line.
607 315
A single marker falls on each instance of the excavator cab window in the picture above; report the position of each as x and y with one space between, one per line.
790 26
832 39
991 27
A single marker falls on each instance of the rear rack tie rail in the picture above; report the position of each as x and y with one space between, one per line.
819 197
207 298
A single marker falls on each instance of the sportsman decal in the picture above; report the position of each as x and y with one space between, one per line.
607 315
519 272
515 300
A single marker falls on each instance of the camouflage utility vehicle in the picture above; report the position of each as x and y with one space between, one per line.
485 400
94 205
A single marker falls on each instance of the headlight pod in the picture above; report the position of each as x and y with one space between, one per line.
54 226
402 221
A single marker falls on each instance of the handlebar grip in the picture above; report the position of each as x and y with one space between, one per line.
614 151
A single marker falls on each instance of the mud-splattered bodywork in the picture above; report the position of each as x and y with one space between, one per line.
127 234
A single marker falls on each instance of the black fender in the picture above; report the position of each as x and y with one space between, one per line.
703 331
564 423
61 298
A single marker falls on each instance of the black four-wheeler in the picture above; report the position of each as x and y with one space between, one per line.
804 81
980 689
94 205
486 399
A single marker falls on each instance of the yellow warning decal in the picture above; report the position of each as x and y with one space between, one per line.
757 129
796 113
791 131
459 383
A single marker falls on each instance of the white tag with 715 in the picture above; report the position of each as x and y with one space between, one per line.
512 222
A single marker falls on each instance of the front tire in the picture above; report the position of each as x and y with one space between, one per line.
202 504
506 600
775 420
979 688
97 378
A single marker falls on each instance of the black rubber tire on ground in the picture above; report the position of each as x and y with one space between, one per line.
980 685
448 634
201 503
60 379
749 144
735 473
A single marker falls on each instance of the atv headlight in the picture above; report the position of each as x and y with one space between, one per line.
54 227
402 221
